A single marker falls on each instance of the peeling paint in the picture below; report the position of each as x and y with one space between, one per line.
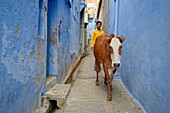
17 32
32 54
38 80
6 33
25 87
53 39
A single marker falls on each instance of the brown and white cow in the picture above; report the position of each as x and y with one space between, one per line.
107 51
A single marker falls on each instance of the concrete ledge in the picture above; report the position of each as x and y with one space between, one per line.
59 93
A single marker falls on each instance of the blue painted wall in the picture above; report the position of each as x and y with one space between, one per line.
22 55
111 26
145 58
25 55
63 36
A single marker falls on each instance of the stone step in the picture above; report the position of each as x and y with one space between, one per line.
58 93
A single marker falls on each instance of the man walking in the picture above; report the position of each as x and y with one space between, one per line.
96 33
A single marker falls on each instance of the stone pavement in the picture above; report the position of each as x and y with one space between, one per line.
85 97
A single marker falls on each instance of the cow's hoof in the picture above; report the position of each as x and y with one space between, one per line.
109 98
97 84
105 83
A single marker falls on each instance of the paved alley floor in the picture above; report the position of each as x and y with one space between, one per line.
86 97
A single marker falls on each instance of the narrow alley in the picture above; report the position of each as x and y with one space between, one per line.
86 97
48 49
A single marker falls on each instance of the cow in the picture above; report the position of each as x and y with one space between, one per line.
107 51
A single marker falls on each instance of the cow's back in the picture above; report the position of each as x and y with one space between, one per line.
101 50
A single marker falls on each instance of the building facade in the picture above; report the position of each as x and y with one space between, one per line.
63 36
145 55
40 38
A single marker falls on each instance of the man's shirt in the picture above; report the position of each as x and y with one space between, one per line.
95 34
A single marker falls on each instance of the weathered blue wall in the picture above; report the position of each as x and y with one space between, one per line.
63 36
113 17
145 59
111 26
22 55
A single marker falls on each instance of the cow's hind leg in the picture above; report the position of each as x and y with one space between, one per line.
97 78
105 81
109 83
97 69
